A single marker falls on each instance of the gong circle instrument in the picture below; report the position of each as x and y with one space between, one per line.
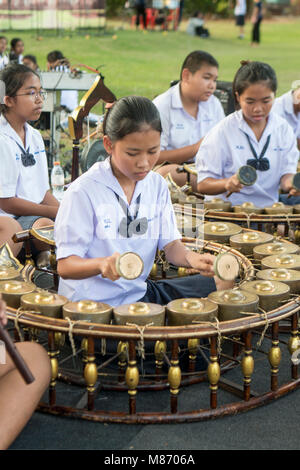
234 303
279 208
246 175
187 311
129 265
218 203
248 208
140 313
286 261
227 266
13 290
270 293
275 248
44 303
8 273
291 277
219 231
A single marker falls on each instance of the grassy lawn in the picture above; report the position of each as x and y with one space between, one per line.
137 62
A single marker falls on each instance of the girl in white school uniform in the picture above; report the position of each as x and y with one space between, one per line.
253 135
25 197
121 205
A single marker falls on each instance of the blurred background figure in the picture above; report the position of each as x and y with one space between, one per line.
31 62
3 56
140 7
16 50
195 26
240 11
256 20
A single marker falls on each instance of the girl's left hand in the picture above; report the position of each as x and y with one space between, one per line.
294 192
3 319
204 264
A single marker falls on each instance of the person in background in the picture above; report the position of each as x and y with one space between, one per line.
140 7
16 51
4 60
57 62
288 107
30 61
256 20
240 11
195 26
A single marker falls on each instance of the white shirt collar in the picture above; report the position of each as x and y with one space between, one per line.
243 126
176 101
6 129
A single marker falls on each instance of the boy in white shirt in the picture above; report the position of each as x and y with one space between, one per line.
4 61
188 110
288 107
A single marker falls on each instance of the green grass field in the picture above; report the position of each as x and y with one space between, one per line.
137 62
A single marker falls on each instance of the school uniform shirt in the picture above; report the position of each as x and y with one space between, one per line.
180 129
87 225
240 8
226 148
284 106
16 180
4 61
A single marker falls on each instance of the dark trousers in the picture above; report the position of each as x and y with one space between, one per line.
140 10
256 31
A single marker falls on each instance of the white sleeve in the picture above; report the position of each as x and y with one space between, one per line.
290 156
220 114
164 113
168 227
210 158
9 170
74 224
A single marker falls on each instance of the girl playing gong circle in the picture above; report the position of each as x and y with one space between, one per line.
255 136
121 205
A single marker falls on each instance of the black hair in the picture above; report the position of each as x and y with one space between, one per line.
130 114
30 57
53 56
250 73
196 59
3 37
14 42
14 77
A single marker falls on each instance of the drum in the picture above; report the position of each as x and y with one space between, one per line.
232 303
274 248
285 261
13 290
291 277
270 293
187 311
139 313
246 241
88 310
44 303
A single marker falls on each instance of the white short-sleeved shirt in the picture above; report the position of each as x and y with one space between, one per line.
284 106
240 7
16 180
87 225
225 149
4 61
180 129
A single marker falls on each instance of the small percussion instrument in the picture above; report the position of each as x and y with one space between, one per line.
274 248
88 310
270 293
189 310
8 272
291 277
129 265
248 207
246 241
246 175
139 313
286 261
219 231
227 266
232 303
218 203
279 208
44 303
13 290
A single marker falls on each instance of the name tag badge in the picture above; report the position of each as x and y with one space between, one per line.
179 126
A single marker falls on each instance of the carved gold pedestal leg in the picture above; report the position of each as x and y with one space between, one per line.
84 347
53 354
174 376
132 378
294 345
90 374
193 345
122 351
274 357
28 254
247 365
213 372
160 349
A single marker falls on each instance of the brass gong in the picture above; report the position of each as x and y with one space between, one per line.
287 261
297 208
13 290
218 204
234 301
291 277
88 310
219 231
249 208
279 208
9 272
270 293
44 303
186 311
187 224
246 241
140 313
274 248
